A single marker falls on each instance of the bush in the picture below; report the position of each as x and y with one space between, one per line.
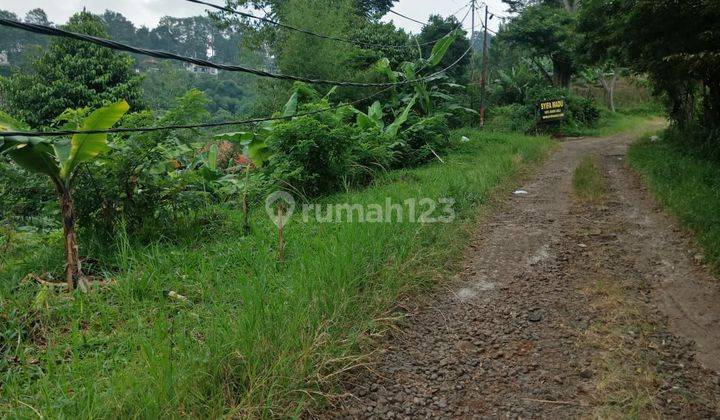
579 112
309 156
418 142
26 200
515 118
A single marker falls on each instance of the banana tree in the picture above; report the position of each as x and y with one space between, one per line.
59 160
373 120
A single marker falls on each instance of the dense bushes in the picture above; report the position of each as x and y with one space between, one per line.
26 200
152 184
579 113
309 156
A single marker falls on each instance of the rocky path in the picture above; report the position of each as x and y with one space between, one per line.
563 309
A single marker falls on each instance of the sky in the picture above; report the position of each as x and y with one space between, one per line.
149 12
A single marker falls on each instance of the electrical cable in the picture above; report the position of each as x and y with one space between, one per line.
366 45
107 43
63 133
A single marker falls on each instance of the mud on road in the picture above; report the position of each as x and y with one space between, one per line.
563 309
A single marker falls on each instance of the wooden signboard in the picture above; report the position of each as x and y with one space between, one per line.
551 110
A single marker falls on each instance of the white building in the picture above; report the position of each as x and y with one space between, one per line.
192 68
4 59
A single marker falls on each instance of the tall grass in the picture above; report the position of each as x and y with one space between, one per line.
257 338
687 185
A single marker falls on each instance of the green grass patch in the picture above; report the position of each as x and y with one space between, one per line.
260 338
588 183
627 123
687 185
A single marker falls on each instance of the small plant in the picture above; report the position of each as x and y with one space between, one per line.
60 160
588 182
255 149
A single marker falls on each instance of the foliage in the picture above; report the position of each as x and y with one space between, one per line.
227 92
146 180
686 184
387 37
367 9
512 118
635 32
309 157
72 74
59 160
547 30
26 200
437 28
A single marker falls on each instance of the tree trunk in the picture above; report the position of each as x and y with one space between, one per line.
609 87
246 208
73 270
562 73
712 103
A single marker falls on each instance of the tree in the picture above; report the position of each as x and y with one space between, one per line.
73 74
681 59
600 45
60 160
547 30
365 8
310 56
119 27
437 28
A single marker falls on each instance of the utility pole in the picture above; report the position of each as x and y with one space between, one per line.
483 80
473 4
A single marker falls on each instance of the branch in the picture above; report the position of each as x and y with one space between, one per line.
542 69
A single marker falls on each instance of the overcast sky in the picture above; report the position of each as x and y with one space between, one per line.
149 12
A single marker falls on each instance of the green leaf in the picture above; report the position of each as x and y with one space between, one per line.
441 48
331 93
258 152
291 106
84 147
364 122
242 137
382 66
32 153
375 113
393 128
212 157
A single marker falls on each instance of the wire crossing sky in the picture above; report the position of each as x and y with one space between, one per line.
149 12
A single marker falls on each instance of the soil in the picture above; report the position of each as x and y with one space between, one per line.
563 309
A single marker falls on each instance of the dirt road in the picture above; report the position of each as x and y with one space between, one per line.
564 309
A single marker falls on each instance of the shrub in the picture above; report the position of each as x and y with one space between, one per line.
310 157
515 117
579 112
417 143
26 200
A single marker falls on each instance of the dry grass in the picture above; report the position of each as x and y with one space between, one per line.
626 383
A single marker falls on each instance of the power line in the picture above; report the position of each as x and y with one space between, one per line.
424 24
107 43
63 133
407 17
366 45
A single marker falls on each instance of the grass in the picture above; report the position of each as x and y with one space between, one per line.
626 385
634 124
588 183
258 339
688 186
